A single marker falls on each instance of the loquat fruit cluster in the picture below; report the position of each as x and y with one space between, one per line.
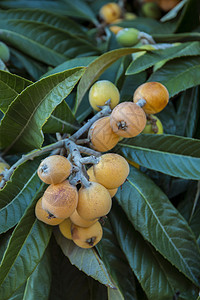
127 119
77 211
78 207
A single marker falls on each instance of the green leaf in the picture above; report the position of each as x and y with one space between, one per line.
189 18
178 74
153 215
10 85
172 155
178 37
168 118
25 250
62 120
80 9
44 42
33 67
188 108
71 63
76 9
147 264
18 193
115 295
151 58
173 12
39 283
148 25
19 293
116 264
57 7
97 67
21 126
40 16
86 260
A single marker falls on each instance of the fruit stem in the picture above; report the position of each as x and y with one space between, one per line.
89 160
88 151
146 38
141 102
82 141
79 175
106 110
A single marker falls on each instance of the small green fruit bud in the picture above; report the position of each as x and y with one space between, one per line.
151 10
4 52
128 37
130 16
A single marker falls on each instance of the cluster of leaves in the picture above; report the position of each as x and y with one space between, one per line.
150 248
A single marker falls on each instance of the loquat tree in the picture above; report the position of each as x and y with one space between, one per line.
99 150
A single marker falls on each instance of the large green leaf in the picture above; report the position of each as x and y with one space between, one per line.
178 37
97 67
18 193
116 263
73 9
34 68
21 126
188 108
153 215
169 154
10 86
159 279
44 42
80 9
45 17
86 260
71 63
178 75
39 283
151 58
25 250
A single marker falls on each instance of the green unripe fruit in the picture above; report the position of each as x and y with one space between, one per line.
130 16
128 37
101 91
151 10
153 128
4 52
